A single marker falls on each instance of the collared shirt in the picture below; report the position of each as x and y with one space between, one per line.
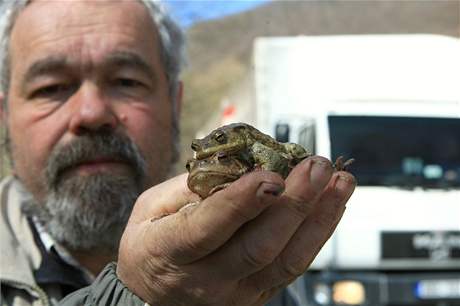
58 271
52 246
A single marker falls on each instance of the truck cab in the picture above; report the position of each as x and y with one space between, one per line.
391 102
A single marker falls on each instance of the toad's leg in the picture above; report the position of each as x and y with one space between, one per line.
268 159
296 151
341 165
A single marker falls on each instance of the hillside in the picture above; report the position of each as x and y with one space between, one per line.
233 36
220 50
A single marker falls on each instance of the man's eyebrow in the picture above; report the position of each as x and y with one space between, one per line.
44 66
130 60
55 64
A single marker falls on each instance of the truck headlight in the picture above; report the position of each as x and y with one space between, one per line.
348 292
322 294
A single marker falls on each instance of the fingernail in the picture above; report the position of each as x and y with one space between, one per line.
343 182
267 188
318 171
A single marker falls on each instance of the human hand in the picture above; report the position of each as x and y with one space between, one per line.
238 246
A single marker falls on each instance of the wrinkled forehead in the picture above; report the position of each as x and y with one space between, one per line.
68 12
69 3
75 17
85 31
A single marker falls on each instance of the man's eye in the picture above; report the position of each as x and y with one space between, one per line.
51 90
129 83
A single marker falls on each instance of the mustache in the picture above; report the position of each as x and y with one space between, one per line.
90 147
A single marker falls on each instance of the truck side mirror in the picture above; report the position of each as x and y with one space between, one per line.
307 137
282 131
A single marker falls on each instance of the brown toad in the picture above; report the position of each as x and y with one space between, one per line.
235 149
215 172
260 149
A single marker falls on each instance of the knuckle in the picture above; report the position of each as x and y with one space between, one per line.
300 207
291 269
238 211
258 254
195 238
327 219
143 199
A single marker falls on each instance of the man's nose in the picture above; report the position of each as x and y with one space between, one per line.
91 111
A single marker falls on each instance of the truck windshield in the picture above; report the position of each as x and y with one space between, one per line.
403 152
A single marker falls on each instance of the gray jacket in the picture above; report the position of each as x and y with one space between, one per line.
29 278
20 255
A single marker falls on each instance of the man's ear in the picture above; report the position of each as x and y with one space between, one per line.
5 157
2 110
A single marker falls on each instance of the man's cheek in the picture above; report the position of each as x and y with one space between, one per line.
29 160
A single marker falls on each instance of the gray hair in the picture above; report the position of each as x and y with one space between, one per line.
172 48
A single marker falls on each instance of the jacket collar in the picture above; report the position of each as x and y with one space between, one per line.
29 262
20 255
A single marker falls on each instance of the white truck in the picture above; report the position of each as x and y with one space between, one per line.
392 102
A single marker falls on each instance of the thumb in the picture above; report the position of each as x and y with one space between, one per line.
163 199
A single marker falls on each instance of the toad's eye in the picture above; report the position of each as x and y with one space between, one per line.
222 156
220 137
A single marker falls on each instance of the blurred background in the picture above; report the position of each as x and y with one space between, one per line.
375 80
221 37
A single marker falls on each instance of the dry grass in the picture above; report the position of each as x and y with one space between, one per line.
202 98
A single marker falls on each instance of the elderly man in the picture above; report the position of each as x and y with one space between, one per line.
90 99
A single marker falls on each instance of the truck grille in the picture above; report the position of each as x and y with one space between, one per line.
435 245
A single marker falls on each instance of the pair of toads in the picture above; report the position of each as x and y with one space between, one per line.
232 150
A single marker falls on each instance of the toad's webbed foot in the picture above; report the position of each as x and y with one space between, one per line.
341 165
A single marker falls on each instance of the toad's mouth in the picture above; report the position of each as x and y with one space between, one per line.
229 148
205 183
204 174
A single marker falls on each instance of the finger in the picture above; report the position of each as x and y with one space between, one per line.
261 240
311 235
193 233
163 199
306 183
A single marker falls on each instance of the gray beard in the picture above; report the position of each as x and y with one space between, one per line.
90 212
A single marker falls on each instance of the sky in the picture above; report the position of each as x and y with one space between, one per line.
187 12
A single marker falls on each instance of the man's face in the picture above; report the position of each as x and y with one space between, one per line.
81 69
